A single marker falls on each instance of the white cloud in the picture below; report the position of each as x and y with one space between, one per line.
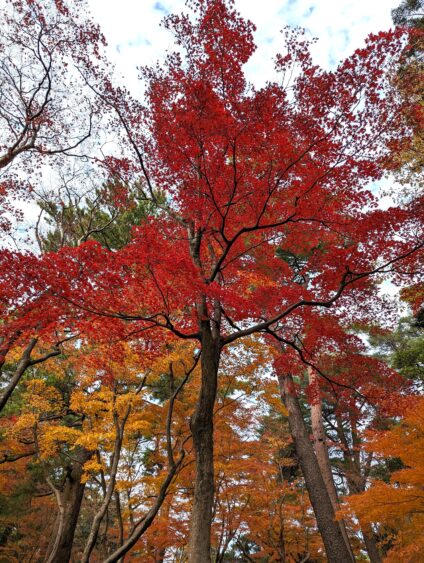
132 29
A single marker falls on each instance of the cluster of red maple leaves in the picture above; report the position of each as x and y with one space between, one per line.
265 220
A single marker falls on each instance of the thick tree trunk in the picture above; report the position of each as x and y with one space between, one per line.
329 528
202 432
321 452
69 500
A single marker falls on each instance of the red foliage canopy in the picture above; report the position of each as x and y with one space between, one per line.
264 198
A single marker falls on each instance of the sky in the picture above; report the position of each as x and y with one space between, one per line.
135 38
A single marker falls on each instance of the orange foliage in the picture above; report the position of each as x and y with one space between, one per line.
399 504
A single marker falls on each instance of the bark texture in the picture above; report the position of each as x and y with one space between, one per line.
329 528
146 521
356 476
370 544
202 432
22 365
94 531
69 503
321 451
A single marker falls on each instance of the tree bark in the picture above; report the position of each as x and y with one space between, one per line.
202 432
321 452
146 521
94 531
23 364
356 482
370 543
120 521
329 528
69 501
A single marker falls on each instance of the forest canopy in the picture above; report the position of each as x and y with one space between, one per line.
198 360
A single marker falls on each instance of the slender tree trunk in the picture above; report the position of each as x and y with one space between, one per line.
161 554
370 543
69 500
120 521
145 522
356 484
23 364
202 432
5 346
94 531
329 528
321 452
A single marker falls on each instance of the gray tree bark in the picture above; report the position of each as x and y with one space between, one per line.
321 452
69 503
356 482
202 432
329 528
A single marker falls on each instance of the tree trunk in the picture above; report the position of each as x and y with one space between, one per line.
120 521
144 523
95 526
329 528
23 364
356 483
202 432
321 452
370 543
69 500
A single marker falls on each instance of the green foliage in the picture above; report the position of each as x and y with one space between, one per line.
106 216
403 349
409 13
384 469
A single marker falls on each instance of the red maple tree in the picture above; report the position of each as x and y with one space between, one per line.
264 211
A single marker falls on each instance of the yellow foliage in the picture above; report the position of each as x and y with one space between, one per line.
97 403
91 440
53 436
277 405
122 402
91 466
139 427
24 422
41 397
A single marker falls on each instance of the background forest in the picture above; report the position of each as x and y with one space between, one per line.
198 358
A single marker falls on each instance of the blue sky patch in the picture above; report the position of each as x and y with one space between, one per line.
160 7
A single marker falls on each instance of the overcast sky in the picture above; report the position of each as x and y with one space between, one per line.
135 38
